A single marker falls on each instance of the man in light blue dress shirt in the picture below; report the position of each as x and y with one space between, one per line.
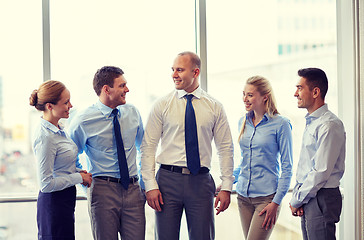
112 208
316 195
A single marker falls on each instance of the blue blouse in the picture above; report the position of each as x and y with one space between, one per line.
56 155
266 151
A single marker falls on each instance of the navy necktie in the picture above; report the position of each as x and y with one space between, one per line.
124 172
191 140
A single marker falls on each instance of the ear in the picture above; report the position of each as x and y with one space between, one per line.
106 89
48 106
196 72
316 92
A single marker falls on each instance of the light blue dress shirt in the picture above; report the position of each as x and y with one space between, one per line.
322 157
56 155
92 131
266 151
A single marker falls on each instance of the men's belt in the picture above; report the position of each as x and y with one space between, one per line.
183 170
117 180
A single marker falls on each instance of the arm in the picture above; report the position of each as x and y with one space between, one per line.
330 141
79 137
138 142
45 152
224 146
284 139
152 135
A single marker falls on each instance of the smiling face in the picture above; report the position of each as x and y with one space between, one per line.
117 93
185 76
253 100
61 109
304 95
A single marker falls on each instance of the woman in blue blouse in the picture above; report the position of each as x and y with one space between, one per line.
265 171
56 157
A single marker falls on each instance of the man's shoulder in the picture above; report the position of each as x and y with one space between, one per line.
128 108
164 100
210 99
84 114
331 120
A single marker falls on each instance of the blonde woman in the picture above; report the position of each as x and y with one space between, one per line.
56 156
264 175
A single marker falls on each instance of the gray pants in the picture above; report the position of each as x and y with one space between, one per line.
251 222
115 210
320 215
195 195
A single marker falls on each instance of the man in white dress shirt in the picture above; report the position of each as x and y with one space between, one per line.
175 188
316 196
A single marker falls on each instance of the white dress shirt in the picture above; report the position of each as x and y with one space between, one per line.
166 122
321 163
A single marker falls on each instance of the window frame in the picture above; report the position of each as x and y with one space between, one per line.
349 73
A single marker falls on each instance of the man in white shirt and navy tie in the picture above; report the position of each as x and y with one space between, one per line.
185 122
316 197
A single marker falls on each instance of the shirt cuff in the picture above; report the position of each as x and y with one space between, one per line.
77 178
294 203
150 185
227 185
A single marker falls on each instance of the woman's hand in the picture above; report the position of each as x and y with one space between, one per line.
270 215
86 178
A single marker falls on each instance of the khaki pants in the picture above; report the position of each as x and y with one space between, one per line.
251 222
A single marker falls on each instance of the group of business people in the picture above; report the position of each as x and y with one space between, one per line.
184 123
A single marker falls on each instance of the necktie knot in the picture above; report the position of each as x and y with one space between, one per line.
189 97
114 112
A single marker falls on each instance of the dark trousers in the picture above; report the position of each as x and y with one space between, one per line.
320 215
55 214
194 195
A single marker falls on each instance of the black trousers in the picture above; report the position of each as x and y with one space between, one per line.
56 214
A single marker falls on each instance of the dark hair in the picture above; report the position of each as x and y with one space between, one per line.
48 92
195 59
315 77
106 76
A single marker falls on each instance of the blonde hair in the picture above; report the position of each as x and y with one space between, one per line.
264 88
48 92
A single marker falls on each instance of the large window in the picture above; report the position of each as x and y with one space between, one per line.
244 38
273 41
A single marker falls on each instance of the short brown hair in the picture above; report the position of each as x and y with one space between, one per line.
106 76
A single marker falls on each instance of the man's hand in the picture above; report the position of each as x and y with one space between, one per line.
270 215
224 198
297 212
154 199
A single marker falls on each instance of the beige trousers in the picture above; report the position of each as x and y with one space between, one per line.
251 222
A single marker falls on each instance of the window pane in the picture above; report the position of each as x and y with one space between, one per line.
20 73
273 41
140 37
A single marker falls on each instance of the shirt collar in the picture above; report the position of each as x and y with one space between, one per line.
318 112
249 117
197 93
105 109
50 126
